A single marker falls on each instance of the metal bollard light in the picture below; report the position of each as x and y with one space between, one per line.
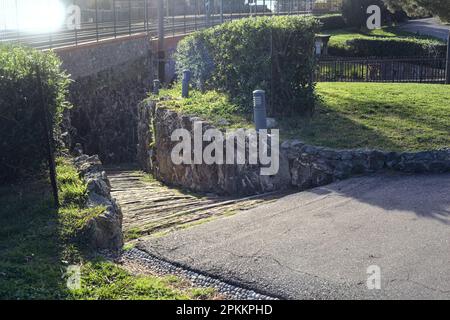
185 83
259 106
156 86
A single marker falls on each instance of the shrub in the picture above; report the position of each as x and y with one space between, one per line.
274 54
355 12
22 149
389 47
332 22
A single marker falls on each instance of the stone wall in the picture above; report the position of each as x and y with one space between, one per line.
156 125
110 78
302 166
104 231
312 166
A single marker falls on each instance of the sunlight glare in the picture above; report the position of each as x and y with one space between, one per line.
32 15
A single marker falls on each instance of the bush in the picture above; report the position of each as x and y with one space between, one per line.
22 149
355 13
332 22
389 47
274 54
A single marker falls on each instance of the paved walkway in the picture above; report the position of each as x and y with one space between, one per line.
151 208
431 27
318 244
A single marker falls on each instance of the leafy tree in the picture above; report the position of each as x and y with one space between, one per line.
355 12
439 8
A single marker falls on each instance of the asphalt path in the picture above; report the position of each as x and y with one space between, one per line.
326 243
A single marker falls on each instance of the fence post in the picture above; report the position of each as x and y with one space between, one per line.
447 73
161 54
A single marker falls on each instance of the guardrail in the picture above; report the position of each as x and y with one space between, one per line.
417 69
26 21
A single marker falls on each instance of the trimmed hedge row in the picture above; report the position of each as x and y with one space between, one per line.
274 54
389 47
332 22
22 126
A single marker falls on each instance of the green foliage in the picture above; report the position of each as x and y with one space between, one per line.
274 54
421 8
395 48
72 189
22 128
37 245
355 12
398 117
332 22
213 106
386 42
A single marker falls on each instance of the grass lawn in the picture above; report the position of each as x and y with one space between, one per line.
398 117
391 116
37 245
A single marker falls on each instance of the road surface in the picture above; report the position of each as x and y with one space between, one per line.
320 243
431 27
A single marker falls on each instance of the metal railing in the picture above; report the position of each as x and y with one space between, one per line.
420 69
21 21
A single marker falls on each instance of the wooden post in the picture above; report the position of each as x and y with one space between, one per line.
447 73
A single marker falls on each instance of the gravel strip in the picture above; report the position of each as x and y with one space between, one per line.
163 267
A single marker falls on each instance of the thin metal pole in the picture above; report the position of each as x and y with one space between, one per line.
221 11
49 140
447 77
161 55
76 27
146 16
96 20
129 17
115 19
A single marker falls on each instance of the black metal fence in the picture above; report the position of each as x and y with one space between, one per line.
29 21
421 69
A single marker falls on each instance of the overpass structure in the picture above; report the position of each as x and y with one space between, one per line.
46 24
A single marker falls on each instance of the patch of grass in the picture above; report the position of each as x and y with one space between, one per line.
384 116
37 245
212 106
341 36
340 41
401 117
72 189
102 280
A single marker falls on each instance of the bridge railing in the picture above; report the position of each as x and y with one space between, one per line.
48 24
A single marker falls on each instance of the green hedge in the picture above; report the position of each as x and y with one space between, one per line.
389 47
22 147
332 22
274 54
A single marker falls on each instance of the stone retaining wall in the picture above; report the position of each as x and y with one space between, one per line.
302 166
104 231
156 125
312 166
